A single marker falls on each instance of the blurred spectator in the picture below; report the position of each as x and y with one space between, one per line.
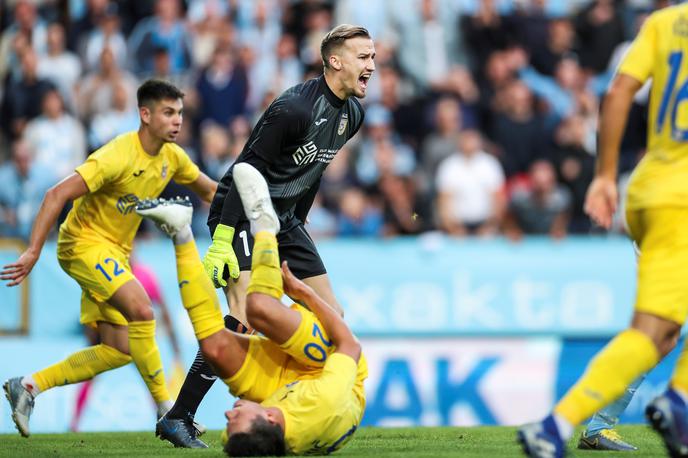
485 31
321 222
211 28
517 129
24 184
94 93
28 24
540 208
23 98
61 67
215 149
122 117
57 139
358 216
429 45
560 43
262 30
164 29
317 22
277 74
380 150
337 177
403 213
469 189
407 112
222 88
600 29
441 142
80 28
574 156
105 34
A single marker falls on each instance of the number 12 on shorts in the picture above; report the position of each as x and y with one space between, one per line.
116 269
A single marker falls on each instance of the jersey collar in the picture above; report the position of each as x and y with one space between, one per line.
329 95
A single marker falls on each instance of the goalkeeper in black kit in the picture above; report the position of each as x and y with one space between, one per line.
291 145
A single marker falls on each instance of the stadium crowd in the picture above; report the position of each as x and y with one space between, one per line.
481 116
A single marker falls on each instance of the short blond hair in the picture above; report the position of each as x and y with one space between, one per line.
337 36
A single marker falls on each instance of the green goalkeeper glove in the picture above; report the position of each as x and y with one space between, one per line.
221 254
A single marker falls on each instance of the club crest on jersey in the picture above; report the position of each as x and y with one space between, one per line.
164 170
126 204
343 121
305 154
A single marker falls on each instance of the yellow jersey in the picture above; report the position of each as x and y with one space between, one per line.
322 414
660 52
118 175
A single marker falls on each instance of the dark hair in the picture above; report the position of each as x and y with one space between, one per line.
337 36
155 90
263 439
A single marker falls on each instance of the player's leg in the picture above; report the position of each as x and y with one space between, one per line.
599 433
660 308
322 286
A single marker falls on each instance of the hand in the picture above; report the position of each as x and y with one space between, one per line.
293 287
221 254
17 271
601 201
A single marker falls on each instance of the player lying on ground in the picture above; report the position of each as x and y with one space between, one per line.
301 385
94 244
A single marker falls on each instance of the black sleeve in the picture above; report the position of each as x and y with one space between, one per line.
232 210
285 121
304 205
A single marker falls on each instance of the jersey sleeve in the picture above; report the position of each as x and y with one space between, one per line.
101 167
337 379
187 172
640 58
286 120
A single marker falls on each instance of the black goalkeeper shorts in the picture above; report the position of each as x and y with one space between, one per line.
295 246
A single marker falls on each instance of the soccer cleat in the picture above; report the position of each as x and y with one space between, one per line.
255 197
180 432
541 440
606 439
170 216
668 416
21 402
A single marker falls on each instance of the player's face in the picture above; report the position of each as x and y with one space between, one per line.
241 417
164 119
358 64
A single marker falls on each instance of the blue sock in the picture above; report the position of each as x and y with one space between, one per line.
608 417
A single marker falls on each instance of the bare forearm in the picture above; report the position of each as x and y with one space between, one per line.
50 209
617 104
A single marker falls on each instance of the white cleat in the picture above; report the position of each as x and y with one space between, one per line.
255 197
170 216
21 402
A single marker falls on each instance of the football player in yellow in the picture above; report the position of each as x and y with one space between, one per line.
94 244
300 384
657 219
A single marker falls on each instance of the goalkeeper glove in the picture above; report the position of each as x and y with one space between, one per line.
221 254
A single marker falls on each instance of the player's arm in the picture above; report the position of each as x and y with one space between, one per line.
336 328
304 205
204 187
54 201
602 197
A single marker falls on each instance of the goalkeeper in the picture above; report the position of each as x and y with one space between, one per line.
300 386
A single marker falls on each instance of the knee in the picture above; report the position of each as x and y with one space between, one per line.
211 350
141 311
667 342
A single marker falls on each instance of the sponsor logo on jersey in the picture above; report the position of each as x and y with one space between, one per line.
343 122
126 204
320 121
139 173
305 154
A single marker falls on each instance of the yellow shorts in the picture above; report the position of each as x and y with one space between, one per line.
100 270
269 366
662 237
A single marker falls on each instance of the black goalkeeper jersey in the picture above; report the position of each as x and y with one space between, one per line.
292 143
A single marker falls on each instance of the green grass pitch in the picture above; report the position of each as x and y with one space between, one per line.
368 442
